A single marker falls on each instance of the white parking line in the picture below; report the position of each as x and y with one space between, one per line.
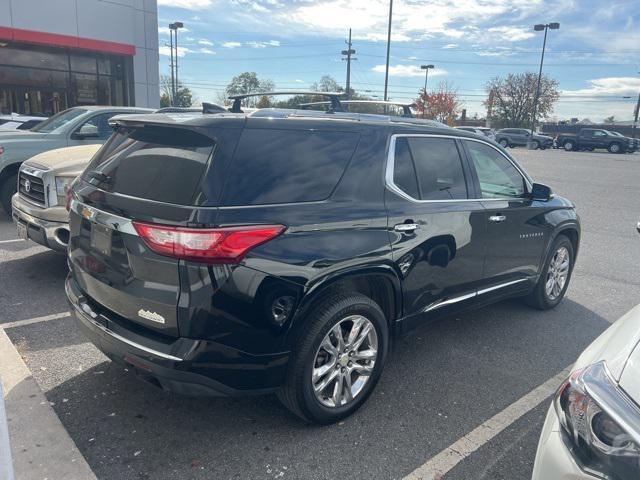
29 321
13 240
436 467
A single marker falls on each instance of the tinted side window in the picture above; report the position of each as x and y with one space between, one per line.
439 168
158 163
497 175
286 166
404 173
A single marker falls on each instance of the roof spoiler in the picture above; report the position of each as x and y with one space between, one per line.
334 100
406 107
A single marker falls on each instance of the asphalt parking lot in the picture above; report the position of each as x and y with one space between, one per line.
439 384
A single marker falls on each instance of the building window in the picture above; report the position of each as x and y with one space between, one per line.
43 81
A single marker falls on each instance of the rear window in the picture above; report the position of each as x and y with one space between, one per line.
153 163
286 166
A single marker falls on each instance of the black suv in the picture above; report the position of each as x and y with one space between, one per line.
282 251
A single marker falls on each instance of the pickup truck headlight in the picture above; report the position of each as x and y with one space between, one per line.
62 184
601 424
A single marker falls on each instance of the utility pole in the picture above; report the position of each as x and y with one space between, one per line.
537 28
173 80
348 53
635 120
386 72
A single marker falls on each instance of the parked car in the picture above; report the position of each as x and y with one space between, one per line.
19 122
484 131
595 138
206 260
475 130
592 429
75 126
40 217
515 137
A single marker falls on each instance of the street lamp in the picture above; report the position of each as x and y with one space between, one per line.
173 30
538 28
426 77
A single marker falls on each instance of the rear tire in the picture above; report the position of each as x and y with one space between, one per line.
569 146
555 277
301 393
7 190
504 142
535 145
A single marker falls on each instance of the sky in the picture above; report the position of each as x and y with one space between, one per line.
595 55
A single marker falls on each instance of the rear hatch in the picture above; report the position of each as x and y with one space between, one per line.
145 173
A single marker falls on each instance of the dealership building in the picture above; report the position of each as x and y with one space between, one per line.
56 54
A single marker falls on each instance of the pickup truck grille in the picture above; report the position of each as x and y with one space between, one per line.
35 191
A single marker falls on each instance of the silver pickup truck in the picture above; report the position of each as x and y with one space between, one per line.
75 126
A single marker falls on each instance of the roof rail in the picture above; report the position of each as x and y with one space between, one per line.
334 101
406 107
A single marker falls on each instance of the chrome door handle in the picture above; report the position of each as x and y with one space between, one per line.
406 227
497 218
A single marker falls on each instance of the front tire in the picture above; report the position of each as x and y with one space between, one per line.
615 148
535 145
7 190
504 142
556 275
338 360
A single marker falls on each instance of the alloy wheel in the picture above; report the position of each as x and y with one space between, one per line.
558 273
344 361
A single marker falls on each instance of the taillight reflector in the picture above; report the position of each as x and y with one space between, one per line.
207 245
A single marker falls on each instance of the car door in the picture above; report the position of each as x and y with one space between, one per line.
516 231
601 139
437 233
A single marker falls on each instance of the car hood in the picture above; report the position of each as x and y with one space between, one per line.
19 135
69 161
619 347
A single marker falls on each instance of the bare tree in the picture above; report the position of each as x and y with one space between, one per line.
512 98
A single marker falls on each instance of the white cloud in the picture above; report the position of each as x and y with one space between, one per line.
623 86
186 4
166 51
511 34
270 43
231 44
205 42
297 80
207 51
408 71
450 45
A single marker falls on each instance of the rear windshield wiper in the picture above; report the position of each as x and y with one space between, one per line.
99 176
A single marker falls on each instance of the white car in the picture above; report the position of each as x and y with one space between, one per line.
592 430
19 122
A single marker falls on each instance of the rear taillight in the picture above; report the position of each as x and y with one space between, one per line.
207 245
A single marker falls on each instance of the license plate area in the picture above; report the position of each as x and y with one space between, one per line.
101 239
22 230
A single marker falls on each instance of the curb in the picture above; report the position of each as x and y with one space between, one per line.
41 447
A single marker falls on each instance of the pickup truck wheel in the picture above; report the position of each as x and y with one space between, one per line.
615 148
338 360
555 276
568 146
7 189
504 142
535 145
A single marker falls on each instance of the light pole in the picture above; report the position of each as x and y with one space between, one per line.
173 30
539 28
386 72
426 77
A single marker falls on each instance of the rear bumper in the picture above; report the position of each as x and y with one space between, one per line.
181 365
52 234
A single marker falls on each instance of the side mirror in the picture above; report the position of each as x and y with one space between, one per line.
86 131
541 192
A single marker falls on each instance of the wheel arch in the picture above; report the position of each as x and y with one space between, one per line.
381 284
571 230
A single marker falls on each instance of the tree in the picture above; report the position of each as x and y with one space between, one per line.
246 83
442 104
327 84
184 96
511 99
610 120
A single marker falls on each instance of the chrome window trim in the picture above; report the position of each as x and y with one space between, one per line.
109 220
450 301
389 169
